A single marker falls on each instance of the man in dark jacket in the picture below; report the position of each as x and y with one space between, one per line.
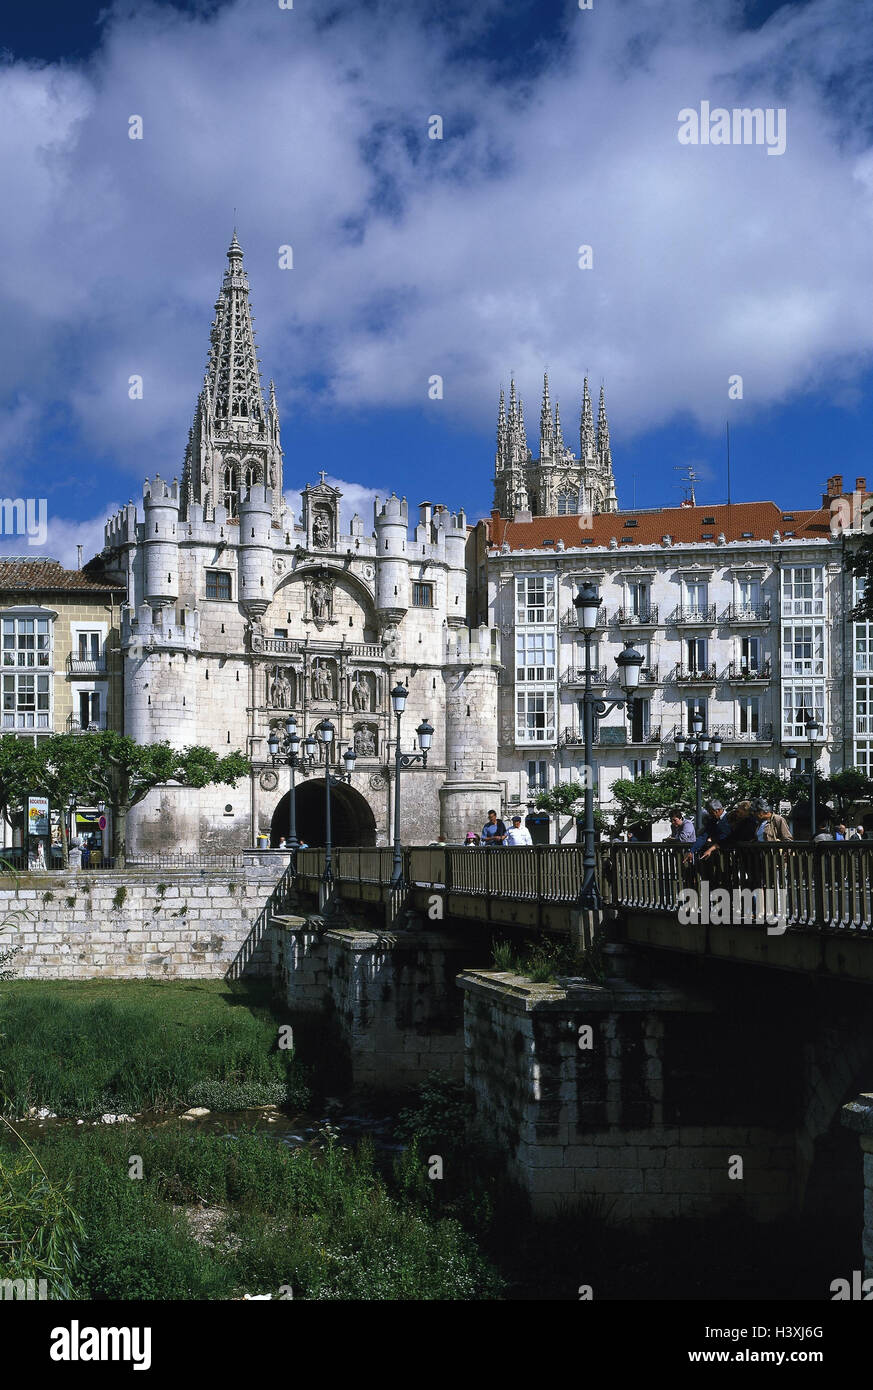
716 829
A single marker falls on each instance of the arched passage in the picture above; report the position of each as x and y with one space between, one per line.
352 819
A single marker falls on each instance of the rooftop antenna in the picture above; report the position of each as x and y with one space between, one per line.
691 478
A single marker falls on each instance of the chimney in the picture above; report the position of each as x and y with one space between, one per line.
424 512
835 485
78 557
860 484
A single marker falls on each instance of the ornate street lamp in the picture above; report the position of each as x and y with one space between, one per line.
814 730
287 750
697 749
629 662
424 732
326 732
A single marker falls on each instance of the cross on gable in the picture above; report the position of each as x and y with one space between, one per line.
322 475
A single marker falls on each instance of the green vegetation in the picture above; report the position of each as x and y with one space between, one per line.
86 1047
322 1223
540 961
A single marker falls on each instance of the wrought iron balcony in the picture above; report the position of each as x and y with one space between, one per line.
76 726
571 619
86 666
575 675
614 736
649 675
745 674
647 616
732 733
745 613
685 675
574 738
693 617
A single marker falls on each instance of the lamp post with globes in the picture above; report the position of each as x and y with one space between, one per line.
814 731
287 750
326 732
399 696
629 662
697 748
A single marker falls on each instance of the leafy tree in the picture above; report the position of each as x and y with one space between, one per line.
108 767
651 797
859 562
564 799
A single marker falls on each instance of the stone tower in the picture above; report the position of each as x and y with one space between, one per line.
557 483
233 443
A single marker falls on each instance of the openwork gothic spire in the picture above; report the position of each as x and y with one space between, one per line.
234 441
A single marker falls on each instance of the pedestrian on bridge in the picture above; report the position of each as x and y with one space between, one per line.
493 831
682 832
518 834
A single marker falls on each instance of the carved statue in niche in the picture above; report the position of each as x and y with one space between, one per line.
280 690
322 684
321 530
320 599
360 693
365 741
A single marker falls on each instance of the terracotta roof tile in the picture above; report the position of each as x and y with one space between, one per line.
22 574
685 525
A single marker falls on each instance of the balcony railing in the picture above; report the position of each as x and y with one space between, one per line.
575 675
613 736
571 619
688 617
646 616
649 675
728 733
76 726
746 674
747 612
686 675
86 666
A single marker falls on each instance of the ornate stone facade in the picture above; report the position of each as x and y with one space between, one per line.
239 614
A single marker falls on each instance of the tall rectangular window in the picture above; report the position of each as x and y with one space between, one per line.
750 714
864 705
535 598
89 646
535 716
640 593
695 594
537 776
641 714
750 654
26 642
695 655
748 594
803 649
803 591
801 701
535 656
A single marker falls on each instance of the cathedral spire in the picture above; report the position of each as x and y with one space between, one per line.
547 429
602 426
559 436
235 437
501 430
586 426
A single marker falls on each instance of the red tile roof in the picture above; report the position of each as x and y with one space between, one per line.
738 521
21 574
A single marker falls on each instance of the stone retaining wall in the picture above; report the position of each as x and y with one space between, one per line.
592 1122
392 994
131 924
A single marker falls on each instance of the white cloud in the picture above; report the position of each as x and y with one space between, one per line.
414 257
63 537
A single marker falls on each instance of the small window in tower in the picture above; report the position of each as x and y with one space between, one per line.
748 535
708 536
709 521
422 595
217 584
632 522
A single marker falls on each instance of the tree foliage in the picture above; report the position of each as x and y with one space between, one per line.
109 767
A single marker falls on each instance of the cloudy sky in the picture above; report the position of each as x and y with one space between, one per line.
413 257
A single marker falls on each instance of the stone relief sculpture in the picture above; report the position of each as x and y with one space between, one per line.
365 741
321 530
322 684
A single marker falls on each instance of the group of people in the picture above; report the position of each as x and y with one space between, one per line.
495 833
746 822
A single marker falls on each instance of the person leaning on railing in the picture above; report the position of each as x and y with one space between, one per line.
716 831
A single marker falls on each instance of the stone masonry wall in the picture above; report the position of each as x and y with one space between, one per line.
579 1123
130 924
392 994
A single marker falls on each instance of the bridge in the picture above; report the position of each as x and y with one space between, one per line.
798 906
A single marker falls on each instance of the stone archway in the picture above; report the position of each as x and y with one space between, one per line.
352 819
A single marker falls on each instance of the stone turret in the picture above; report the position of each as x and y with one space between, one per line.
161 542
453 526
470 675
256 550
392 562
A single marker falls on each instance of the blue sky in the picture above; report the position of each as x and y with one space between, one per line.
415 257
